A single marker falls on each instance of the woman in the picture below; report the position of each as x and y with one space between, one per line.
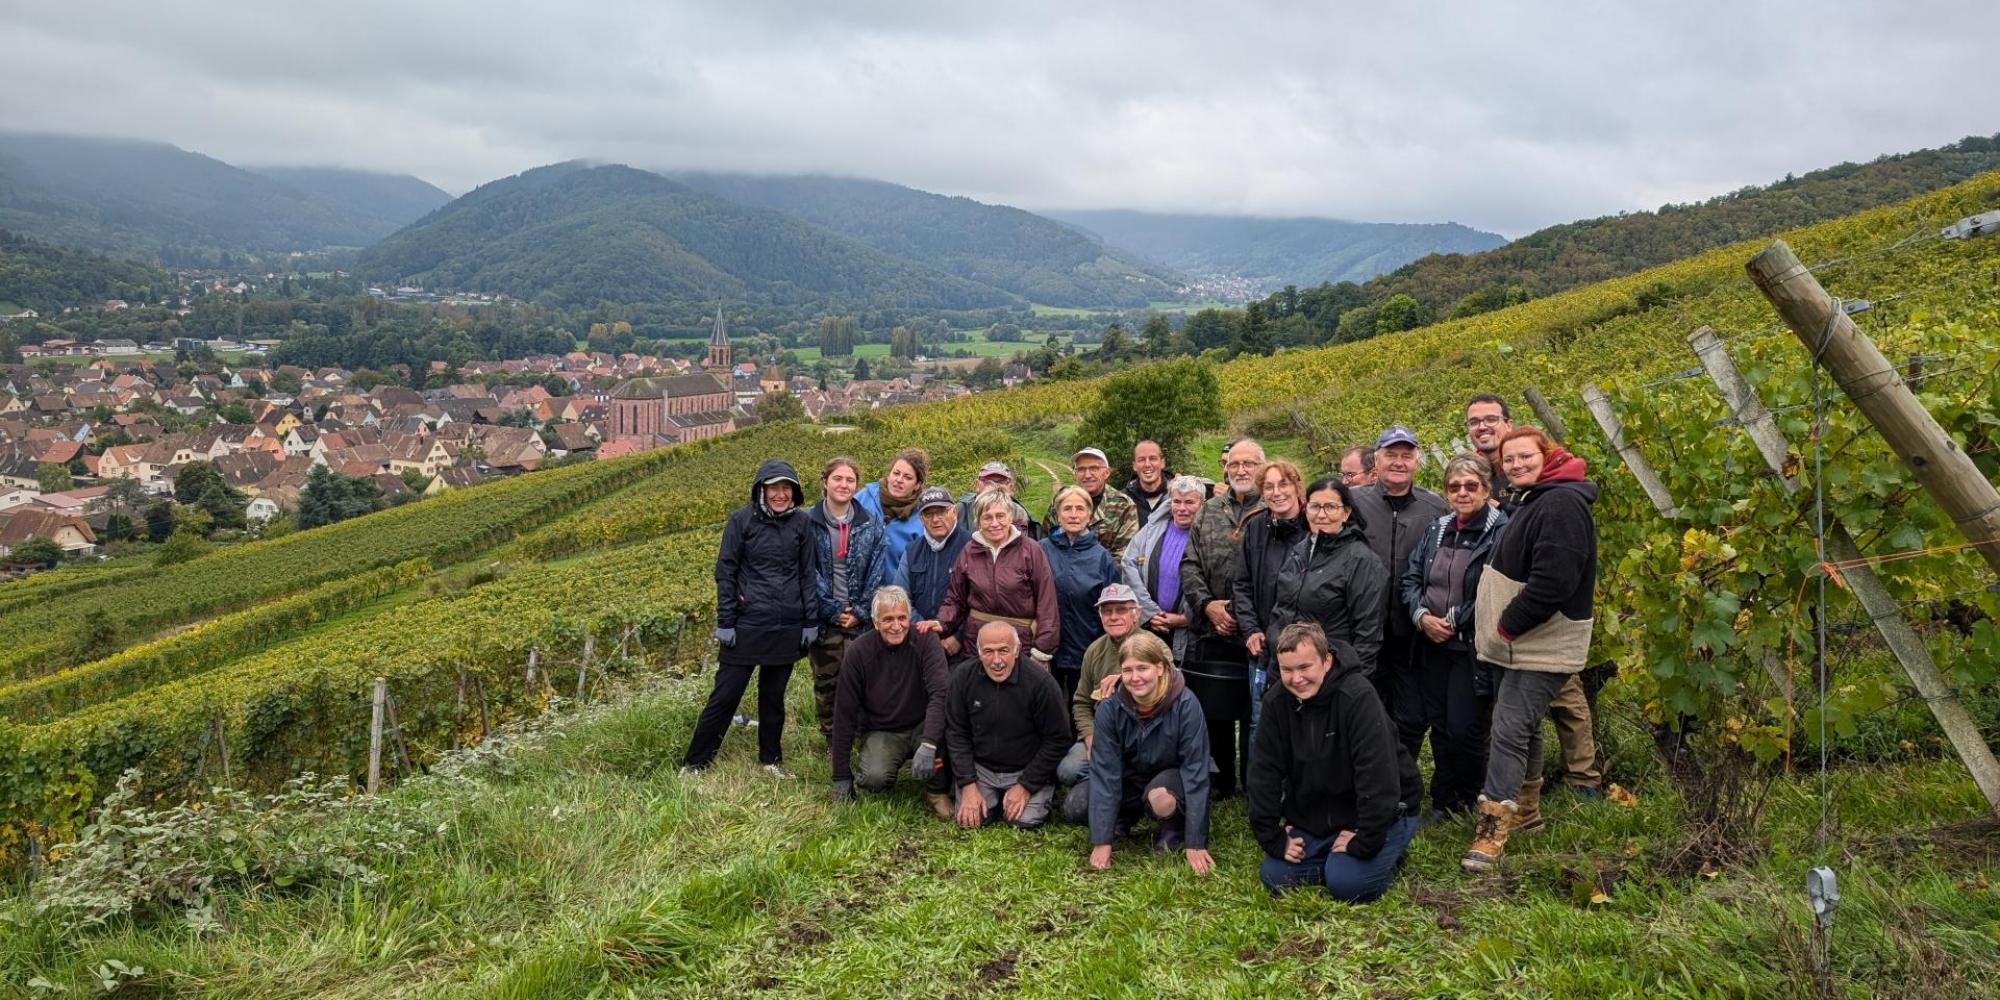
1531 617
1267 538
893 500
1152 563
853 561
766 613
1455 689
1149 757
1332 578
1002 576
1082 569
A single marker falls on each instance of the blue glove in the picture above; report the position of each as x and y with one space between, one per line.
811 635
725 636
924 764
843 790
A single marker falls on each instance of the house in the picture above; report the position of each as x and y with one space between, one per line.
261 509
15 496
117 346
72 533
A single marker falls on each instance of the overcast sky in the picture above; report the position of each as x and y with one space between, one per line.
1505 116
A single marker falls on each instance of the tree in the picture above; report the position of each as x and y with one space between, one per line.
37 551
124 493
904 343
1253 335
236 413
988 373
836 336
53 477
1169 402
1158 336
1115 344
159 521
330 497
202 487
1211 328
780 405
1003 333
1400 312
861 369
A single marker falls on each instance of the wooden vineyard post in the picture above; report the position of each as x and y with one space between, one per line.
375 735
1607 419
1867 588
1551 420
1876 387
583 669
222 745
534 660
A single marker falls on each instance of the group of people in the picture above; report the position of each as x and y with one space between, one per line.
1017 668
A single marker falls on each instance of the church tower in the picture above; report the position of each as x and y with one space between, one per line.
719 357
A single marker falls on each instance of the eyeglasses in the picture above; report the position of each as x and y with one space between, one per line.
1492 421
1323 508
1463 487
1241 464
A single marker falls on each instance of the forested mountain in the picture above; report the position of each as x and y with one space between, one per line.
395 200
1271 253
45 278
150 200
1579 253
1020 252
575 234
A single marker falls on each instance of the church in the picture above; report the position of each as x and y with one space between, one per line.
649 412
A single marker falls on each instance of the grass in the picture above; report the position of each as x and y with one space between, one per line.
586 866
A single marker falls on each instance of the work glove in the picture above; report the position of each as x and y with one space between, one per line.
811 635
725 636
843 790
924 764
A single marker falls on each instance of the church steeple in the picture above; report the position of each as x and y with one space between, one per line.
719 354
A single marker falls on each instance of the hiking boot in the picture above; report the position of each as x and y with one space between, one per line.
1489 835
778 771
941 804
1530 816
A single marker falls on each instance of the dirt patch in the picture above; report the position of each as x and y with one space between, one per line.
999 970
806 933
766 983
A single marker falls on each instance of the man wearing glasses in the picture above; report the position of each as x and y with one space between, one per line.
1487 420
1357 466
1211 561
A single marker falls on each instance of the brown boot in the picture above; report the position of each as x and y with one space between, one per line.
1489 835
1530 816
941 804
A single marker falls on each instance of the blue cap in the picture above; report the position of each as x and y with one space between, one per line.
1396 434
934 497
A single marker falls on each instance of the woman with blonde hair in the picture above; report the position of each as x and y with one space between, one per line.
1082 569
1149 758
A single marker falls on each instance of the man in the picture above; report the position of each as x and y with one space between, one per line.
1395 513
1118 612
1357 466
926 565
1210 565
1487 421
1326 780
890 696
1005 731
852 553
996 476
1148 488
1115 518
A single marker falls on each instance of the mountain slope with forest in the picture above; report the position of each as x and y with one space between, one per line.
45 277
575 234
395 200
1020 252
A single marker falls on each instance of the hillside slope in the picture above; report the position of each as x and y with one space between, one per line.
394 200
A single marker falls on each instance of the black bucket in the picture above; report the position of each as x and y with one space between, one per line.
1218 675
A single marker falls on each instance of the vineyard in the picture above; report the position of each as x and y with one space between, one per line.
255 663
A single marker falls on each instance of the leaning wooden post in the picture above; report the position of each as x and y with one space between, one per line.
1551 420
583 669
1876 387
1607 419
375 735
1867 588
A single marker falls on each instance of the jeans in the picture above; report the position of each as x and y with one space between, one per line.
1345 877
1515 750
1075 766
730 682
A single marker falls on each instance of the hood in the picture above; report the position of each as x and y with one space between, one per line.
1176 683
1563 467
1349 532
1073 543
1345 661
857 515
1286 527
774 468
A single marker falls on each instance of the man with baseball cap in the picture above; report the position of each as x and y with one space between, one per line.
1116 517
926 564
996 476
1118 611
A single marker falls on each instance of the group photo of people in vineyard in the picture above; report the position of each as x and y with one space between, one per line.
1139 652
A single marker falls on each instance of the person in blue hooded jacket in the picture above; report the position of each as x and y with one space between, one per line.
766 613
925 571
1149 757
893 501
853 560
1082 568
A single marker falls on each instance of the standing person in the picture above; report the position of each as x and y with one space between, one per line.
1533 618
1214 550
1114 519
1326 778
1152 563
1005 731
1438 586
893 686
1001 576
1357 466
1082 569
893 501
1148 488
1397 512
1118 613
1332 578
996 476
853 561
766 613
926 567
1268 537
1150 757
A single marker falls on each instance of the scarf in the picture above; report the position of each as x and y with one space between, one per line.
894 509
1167 568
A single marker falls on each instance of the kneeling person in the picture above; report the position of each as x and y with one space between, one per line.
1325 784
1118 610
1005 731
1149 757
890 696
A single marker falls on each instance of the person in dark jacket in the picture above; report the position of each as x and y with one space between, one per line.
925 571
1533 618
1149 757
1005 731
766 613
853 561
1325 789
1082 569
1152 562
1438 586
1331 577
1213 558
890 698
1148 488
1268 537
1001 576
1397 512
